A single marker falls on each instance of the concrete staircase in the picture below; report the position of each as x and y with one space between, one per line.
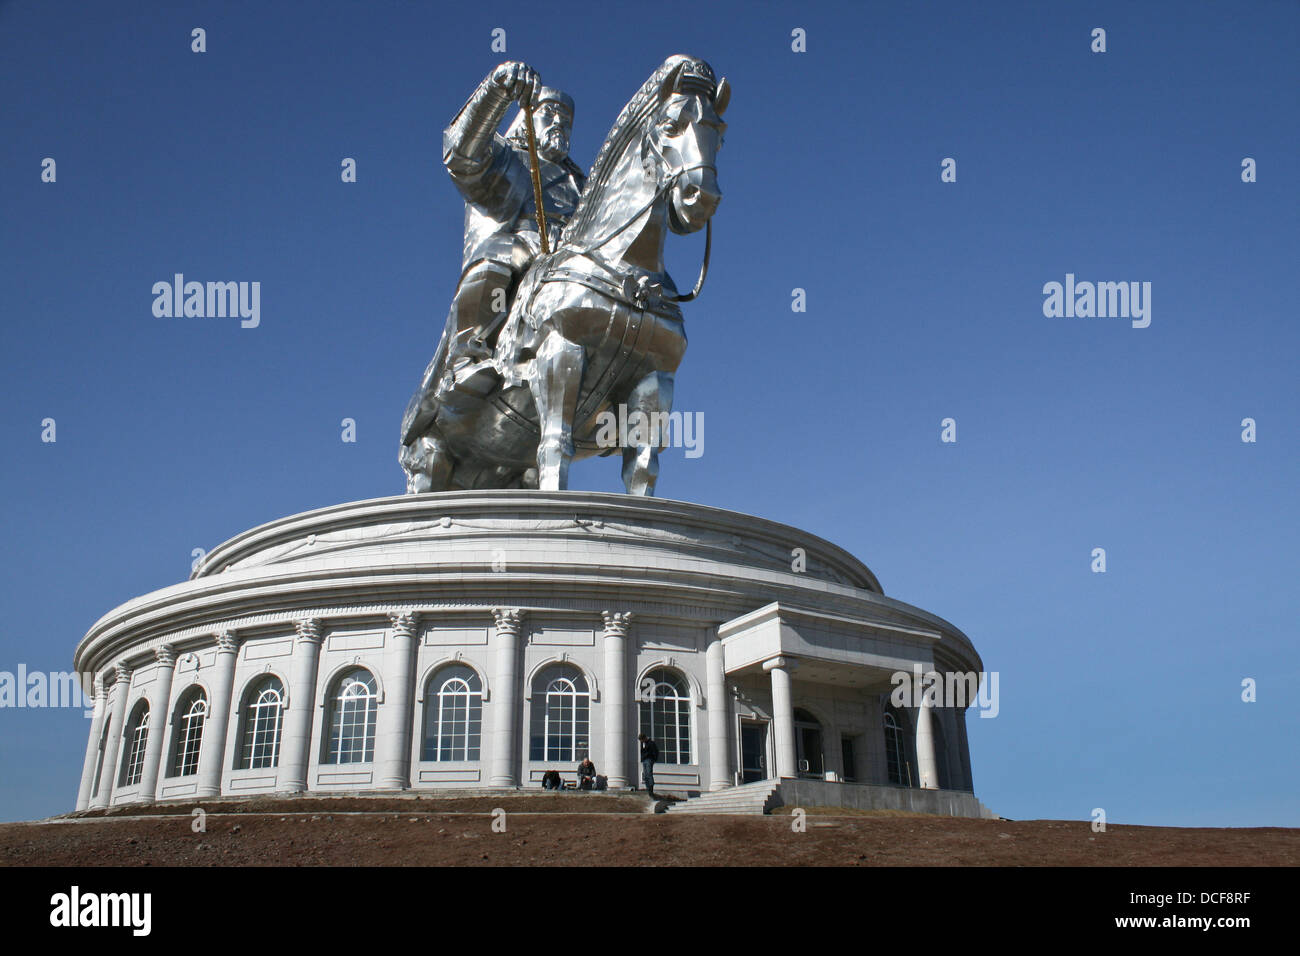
751 798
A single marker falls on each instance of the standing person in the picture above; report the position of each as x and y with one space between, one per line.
649 754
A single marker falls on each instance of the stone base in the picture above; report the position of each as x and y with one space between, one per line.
549 624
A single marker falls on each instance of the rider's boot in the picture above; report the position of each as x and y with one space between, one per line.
467 351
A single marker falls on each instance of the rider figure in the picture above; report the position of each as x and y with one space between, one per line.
494 174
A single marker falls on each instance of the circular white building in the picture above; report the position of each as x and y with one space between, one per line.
469 640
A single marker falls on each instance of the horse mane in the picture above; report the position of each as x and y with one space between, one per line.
630 123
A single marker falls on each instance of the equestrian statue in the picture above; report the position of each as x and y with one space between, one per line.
564 310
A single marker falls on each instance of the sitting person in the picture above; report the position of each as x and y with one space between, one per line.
551 780
586 774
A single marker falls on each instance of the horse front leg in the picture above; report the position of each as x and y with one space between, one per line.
653 398
555 384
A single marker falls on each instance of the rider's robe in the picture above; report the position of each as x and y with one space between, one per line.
500 214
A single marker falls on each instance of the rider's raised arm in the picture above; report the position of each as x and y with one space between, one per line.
470 144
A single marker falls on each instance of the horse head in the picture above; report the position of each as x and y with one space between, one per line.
685 135
657 170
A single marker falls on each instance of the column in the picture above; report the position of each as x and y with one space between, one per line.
108 773
212 756
720 773
393 753
160 699
296 743
91 764
505 708
959 717
783 714
616 713
926 768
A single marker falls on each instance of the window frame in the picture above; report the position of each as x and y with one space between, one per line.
544 692
187 738
682 713
342 705
136 733
899 750
458 736
259 718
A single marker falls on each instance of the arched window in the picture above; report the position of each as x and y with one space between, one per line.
561 722
136 737
896 751
263 716
353 705
191 714
453 714
665 705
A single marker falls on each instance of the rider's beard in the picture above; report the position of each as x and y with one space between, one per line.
553 145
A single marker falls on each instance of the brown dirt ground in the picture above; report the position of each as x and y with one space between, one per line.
589 830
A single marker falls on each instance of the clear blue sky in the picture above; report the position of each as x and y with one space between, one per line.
1118 690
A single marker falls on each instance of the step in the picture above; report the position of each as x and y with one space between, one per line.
751 799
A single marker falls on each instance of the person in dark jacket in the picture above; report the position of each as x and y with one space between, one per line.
649 754
586 774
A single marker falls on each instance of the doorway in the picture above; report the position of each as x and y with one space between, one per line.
753 750
808 745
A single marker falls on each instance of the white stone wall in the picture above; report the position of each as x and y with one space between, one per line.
467 640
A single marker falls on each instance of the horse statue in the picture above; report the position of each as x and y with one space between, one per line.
595 324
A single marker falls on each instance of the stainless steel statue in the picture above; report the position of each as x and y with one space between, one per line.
546 333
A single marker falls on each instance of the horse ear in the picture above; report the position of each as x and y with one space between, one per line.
670 81
722 97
